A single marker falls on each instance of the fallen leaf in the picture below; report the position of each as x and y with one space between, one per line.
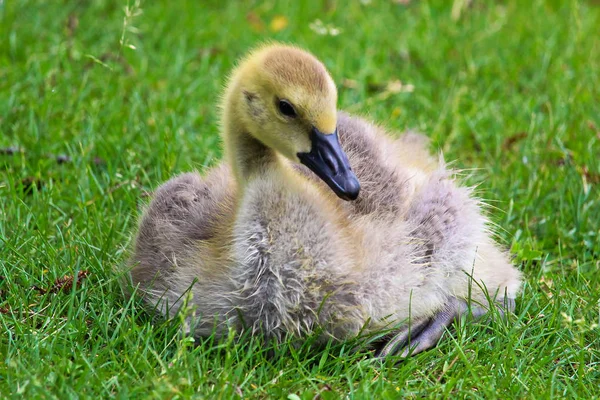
391 88
397 86
255 22
590 176
594 128
209 51
350 83
72 24
546 285
64 284
322 390
29 183
278 23
510 141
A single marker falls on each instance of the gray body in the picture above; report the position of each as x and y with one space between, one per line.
290 259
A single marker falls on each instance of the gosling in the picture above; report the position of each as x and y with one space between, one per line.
317 222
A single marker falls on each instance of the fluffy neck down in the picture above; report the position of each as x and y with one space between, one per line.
247 155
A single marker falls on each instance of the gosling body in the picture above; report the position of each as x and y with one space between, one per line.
265 243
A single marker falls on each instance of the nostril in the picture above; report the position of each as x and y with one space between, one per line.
331 164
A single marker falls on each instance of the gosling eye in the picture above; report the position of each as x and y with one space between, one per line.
287 109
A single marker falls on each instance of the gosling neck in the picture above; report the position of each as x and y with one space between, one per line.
246 154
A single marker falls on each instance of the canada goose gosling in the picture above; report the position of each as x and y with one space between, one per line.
263 243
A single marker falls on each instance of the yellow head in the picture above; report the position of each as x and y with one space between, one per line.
285 98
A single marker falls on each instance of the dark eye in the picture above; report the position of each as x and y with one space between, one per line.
287 109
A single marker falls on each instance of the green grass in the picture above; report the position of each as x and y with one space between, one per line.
508 88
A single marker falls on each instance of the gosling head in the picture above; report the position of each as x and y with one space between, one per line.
285 98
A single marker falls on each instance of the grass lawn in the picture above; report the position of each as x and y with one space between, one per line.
99 104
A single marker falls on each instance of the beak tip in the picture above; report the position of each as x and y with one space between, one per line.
351 189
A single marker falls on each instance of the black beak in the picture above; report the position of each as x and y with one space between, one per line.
327 159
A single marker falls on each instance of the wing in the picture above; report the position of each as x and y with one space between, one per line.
388 169
186 212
